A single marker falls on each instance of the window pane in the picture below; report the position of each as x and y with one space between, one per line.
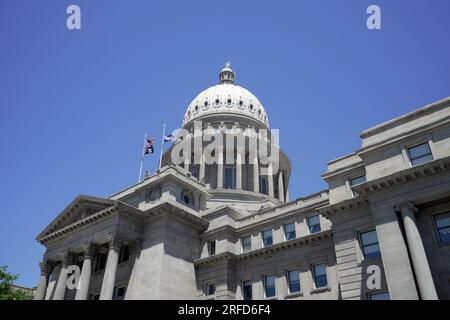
444 235
267 238
289 231
212 247
263 185
424 159
211 289
247 290
230 178
442 220
269 284
246 244
419 151
369 237
314 224
320 275
357 181
294 281
379 296
372 251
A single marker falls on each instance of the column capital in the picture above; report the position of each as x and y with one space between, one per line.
136 246
88 250
401 207
66 258
46 267
114 241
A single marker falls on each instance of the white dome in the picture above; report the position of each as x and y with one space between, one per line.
226 98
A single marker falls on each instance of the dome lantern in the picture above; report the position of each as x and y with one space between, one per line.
227 74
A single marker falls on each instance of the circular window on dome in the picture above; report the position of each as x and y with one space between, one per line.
251 108
217 104
229 105
241 104
206 105
195 109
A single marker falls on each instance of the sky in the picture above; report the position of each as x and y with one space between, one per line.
75 104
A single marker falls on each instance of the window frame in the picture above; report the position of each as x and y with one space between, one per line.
288 278
266 287
242 243
362 246
309 225
353 191
266 184
207 288
271 236
411 160
210 246
294 230
371 294
315 275
243 289
438 235
233 177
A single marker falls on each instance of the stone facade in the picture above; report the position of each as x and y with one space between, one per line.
198 231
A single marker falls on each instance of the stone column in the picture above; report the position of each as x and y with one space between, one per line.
201 174
287 196
396 262
85 277
255 173
109 277
60 290
270 179
45 273
281 187
417 251
220 168
238 169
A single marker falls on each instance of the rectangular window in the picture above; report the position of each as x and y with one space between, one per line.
356 182
246 243
369 244
124 254
263 185
294 281
101 261
320 275
314 224
212 247
269 286
420 154
230 178
211 289
267 237
289 231
379 296
442 222
247 291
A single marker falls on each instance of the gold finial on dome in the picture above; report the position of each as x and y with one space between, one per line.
227 74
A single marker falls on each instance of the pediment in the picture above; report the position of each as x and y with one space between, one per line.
80 208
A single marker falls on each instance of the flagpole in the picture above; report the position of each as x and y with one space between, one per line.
142 158
162 143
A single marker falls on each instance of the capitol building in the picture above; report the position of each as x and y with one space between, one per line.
229 229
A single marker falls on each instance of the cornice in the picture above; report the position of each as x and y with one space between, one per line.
345 206
298 242
405 176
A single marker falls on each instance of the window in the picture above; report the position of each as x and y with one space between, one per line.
247 291
320 275
263 185
293 278
289 231
119 293
101 261
442 222
124 254
356 182
267 238
210 289
420 154
246 243
212 247
314 224
369 244
269 286
95 297
379 296
230 178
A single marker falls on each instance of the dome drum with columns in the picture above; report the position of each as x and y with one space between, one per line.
228 107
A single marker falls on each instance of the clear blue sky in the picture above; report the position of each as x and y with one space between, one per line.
75 104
